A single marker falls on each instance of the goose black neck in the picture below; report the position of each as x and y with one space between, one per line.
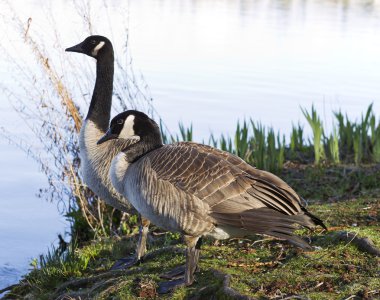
141 148
100 106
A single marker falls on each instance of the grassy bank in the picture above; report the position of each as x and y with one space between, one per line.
338 267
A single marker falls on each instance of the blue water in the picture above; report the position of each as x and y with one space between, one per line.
209 63
28 225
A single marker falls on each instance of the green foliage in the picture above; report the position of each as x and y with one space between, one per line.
346 133
261 146
359 141
375 139
317 128
241 141
186 133
258 145
333 147
296 141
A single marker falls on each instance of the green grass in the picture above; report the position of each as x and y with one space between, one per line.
317 128
332 144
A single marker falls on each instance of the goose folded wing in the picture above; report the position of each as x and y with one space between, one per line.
256 174
224 186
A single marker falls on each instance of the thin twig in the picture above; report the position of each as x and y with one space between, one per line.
227 290
363 244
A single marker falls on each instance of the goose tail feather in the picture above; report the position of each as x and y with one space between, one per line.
270 222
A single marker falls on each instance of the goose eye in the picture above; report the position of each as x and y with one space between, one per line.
93 42
120 121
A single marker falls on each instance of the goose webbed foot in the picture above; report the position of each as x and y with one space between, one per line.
192 258
168 286
176 273
128 262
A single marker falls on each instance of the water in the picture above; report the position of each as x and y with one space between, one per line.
226 60
207 62
28 225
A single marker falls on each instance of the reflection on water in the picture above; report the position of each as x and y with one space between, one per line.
9 275
209 63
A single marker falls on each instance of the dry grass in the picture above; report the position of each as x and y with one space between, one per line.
52 101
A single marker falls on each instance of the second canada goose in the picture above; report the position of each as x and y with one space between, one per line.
96 159
198 190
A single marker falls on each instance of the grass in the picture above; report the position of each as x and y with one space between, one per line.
333 147
296 141
260 268
359 140
316 125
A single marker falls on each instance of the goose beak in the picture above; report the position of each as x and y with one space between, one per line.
108 136
77 48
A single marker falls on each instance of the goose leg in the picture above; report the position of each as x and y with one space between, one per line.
178 272
141 245
192 257
127 262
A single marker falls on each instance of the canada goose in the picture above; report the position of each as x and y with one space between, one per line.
198 190
96 159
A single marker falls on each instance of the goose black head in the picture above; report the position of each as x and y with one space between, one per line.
95 46
133 125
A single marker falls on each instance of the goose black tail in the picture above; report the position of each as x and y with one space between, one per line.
316 220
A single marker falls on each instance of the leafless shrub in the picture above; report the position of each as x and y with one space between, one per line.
51 104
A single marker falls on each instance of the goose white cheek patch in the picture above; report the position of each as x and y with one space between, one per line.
97 48
127 132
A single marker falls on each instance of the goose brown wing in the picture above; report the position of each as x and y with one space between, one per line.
237 195
226 183
280 186
259 175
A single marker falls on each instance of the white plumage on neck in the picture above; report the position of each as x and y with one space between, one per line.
117 172
95 165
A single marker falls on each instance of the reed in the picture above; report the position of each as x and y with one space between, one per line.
358 148
213 141
226 144
333 146
346 134
258 143
359 140
375 139
271 151
296 141
186 133
317 128
242 142
349 142
281 153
